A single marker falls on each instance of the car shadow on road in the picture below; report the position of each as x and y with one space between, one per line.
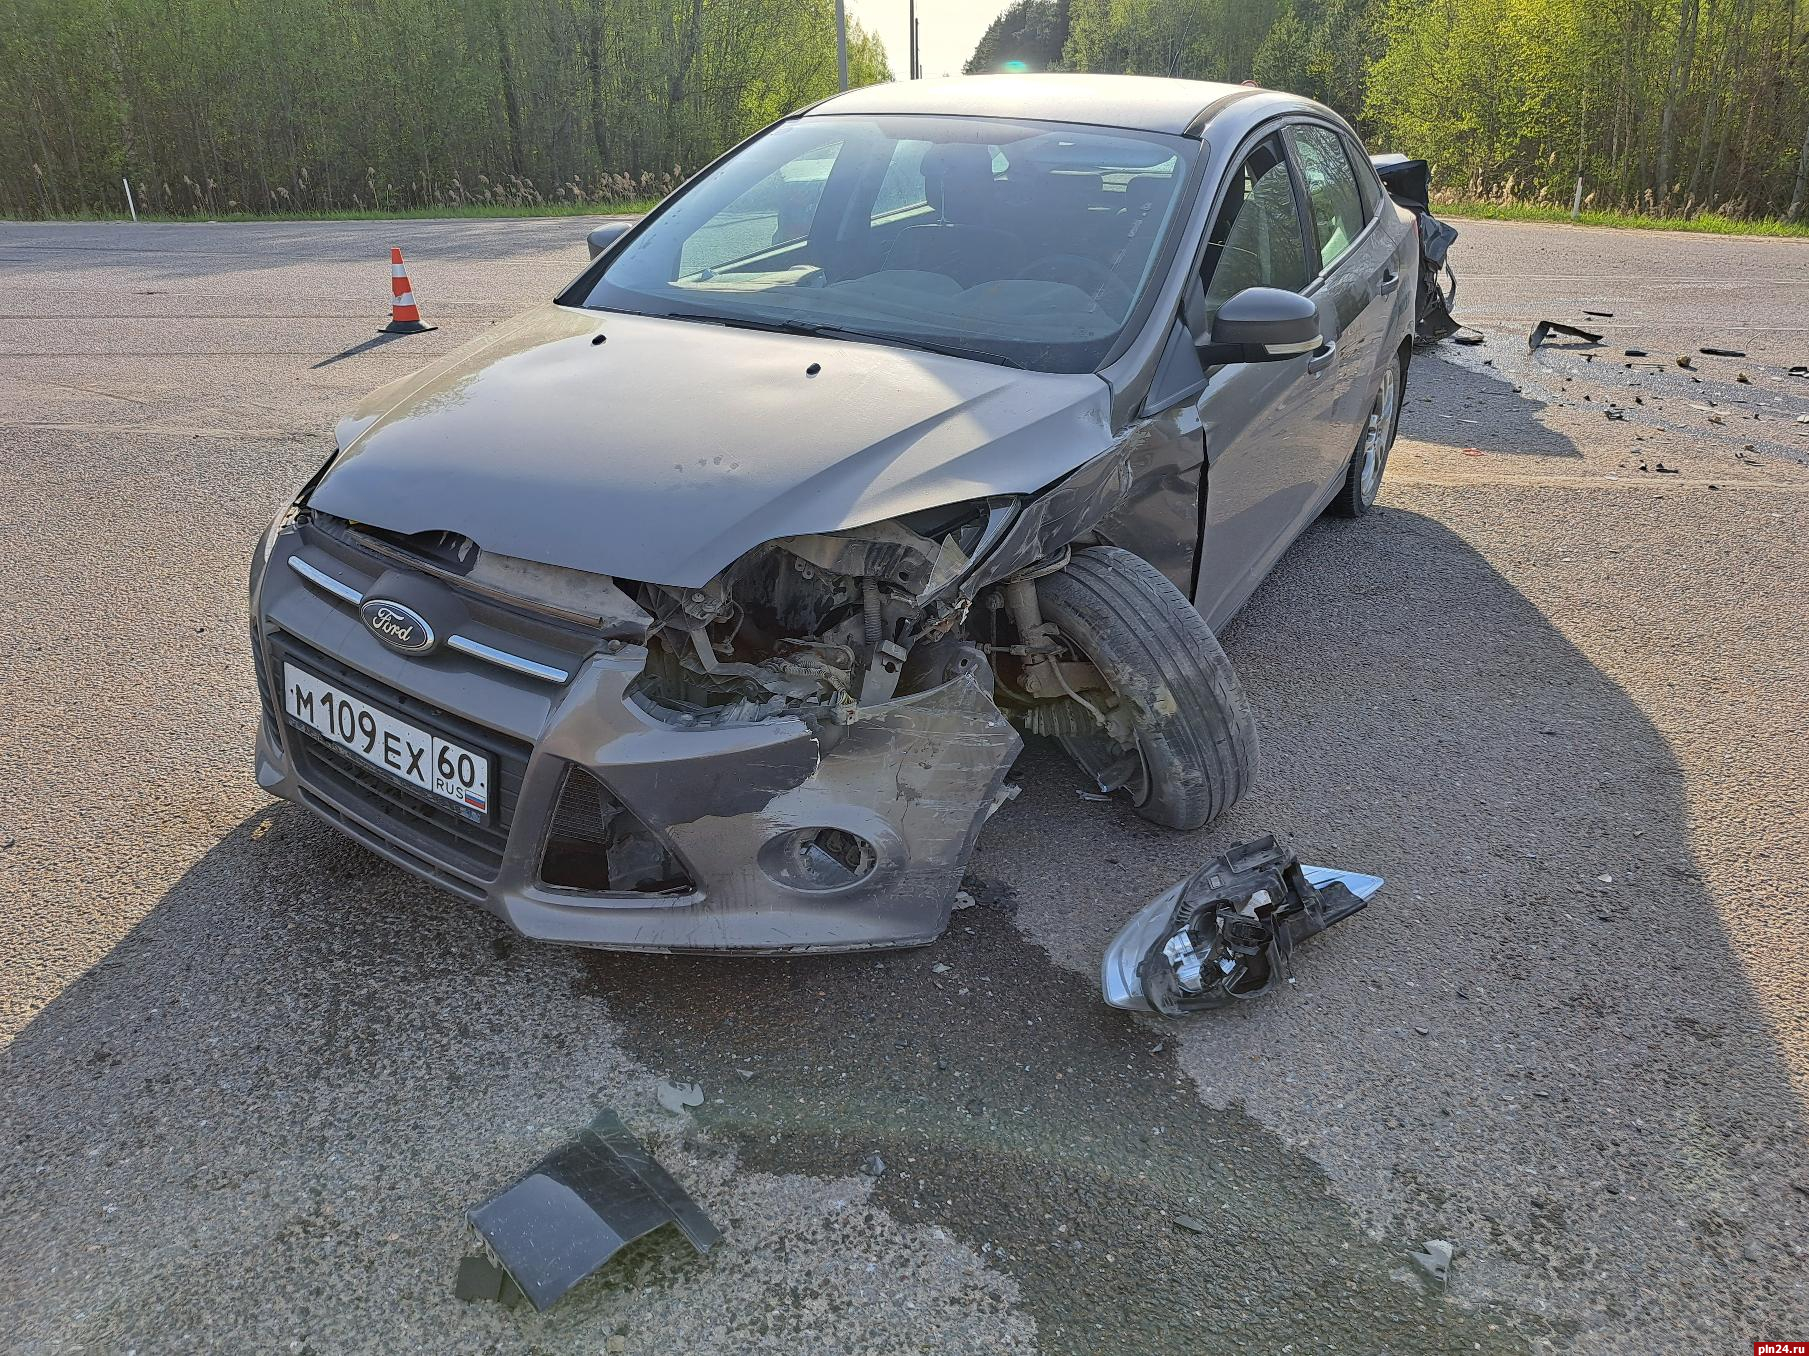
302 1065
1457 406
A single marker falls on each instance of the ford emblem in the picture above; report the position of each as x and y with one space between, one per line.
400 628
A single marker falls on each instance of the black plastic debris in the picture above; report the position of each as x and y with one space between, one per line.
1723 352
1228 931
481 1279
1801 370
1635 352
1467 337
1599 315
572 1212
1546 328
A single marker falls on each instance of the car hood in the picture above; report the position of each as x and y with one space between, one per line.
673 448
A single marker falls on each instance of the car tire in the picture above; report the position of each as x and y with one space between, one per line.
1194 731
1363 477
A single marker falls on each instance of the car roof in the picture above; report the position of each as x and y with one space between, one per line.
1142 103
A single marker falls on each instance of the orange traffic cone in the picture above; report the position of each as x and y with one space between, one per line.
404 315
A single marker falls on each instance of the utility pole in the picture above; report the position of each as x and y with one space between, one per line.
841 42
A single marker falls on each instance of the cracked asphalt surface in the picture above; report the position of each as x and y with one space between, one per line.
1554 691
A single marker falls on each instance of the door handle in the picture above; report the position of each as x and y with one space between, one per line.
1322 359
1389 281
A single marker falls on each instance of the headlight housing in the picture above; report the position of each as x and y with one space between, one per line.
280 526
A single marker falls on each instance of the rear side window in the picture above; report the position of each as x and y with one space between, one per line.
1255 239
1367 183
1331 187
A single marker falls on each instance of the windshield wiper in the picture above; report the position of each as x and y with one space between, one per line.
927 345
815 331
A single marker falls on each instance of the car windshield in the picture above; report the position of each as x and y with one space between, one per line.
1022 243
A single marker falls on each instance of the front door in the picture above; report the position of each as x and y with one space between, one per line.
1263 422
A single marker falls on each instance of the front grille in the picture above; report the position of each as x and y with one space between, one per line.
596 845
427 826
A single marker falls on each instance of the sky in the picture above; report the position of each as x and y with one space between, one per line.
948 30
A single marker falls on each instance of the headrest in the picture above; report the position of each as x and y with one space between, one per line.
957 179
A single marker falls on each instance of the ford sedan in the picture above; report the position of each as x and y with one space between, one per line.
705 605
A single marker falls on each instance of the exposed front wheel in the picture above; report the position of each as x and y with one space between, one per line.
1363 479
1166 721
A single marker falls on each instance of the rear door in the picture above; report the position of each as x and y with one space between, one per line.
1263 422
1351 257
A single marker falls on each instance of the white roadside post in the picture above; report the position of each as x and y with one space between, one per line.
129 207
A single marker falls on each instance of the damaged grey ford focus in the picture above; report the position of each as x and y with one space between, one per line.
702 607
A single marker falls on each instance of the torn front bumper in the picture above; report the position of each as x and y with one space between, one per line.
912 779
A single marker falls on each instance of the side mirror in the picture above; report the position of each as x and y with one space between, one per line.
1263 324
606 235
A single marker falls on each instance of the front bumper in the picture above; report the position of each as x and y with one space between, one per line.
914 778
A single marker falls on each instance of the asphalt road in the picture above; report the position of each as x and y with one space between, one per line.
1554 691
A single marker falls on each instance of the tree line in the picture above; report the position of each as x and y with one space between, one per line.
271 106
1663 106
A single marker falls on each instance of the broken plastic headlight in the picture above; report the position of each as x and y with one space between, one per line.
283 523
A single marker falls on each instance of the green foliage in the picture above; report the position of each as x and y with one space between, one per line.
213 107
1703 223
1031 31
1675 107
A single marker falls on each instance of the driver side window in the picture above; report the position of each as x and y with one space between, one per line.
1255 240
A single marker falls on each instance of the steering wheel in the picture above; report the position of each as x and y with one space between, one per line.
1105 286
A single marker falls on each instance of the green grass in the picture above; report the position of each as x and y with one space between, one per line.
548 209
1705 223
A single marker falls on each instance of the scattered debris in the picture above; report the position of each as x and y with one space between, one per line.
1606 880
1599 315
1683 360
1228 931
675 1097
1474 452
1800 370
1546 328
1468 338
873 1166
572 1212
1194 1225
1436 1259
1723 352
1635 352
1615 412
1091 795
1664 470
964 899
1743 379
940 969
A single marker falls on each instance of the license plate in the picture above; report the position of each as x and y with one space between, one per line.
419 757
